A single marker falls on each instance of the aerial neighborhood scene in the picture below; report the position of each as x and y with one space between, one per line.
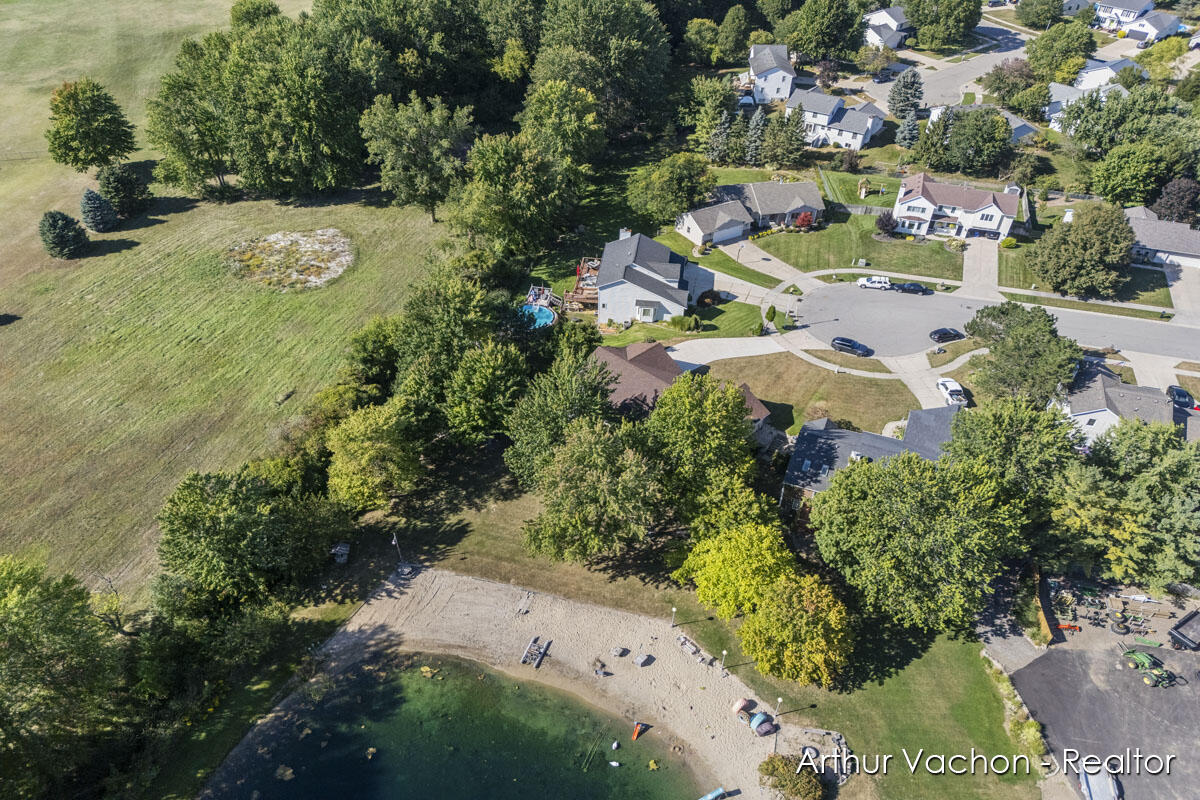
600 399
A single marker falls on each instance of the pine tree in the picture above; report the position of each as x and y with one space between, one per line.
97 213
717 150
783 144
62 236
754 138
122 187
906 94
909 132
736 153
931 147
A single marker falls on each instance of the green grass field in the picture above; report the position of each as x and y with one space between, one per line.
953 351
147 359
844 186
797 391
866 364
1145 286
727 319
1082 305
717 261
847 239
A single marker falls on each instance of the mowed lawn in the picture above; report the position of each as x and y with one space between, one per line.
847 239
126 371
796 391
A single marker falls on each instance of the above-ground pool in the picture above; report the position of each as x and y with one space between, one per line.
542 316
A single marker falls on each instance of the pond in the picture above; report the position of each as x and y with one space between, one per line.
453 730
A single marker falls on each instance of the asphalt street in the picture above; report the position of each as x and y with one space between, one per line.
896 324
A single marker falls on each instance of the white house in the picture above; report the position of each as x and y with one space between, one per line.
1073 7
887 27
771 72
1157 241
722 222
1098 399
1020 128
1118 13
1062 95
827 120
1153 26
924 207
640 280
1097 73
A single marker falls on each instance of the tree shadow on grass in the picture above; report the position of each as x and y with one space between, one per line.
159 208
883 649
8 319
648 563
106 247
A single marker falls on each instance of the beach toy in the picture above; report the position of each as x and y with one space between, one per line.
638 729
614 763
653 765
616 745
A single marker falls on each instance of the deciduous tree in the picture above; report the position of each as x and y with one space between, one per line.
1088 256
483 390
1177 202
920 540
1008 78
87 127
1039 14
700 41
563 120
1056 46
942 23
827 28
1027 359
418 148
665 190
600 494
734 570
731 37
1130 174
374 454
979 142
800 632
711 100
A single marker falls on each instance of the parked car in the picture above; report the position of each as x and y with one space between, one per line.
845 345
953 392
943 335
912 288
874 282
996 3
881 77
1182 397
1143 44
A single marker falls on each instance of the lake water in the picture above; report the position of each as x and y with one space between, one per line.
465 732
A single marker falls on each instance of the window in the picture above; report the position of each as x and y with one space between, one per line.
987 217
1091 422
914 209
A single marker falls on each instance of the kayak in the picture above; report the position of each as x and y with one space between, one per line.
638 729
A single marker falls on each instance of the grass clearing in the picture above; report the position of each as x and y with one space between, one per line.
1146 285
1083 305
849 237
865 363
1189 382
717 261
953 351
796 391
724 320
1192 366
845 188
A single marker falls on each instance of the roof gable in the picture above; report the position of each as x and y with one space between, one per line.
767 57
948 194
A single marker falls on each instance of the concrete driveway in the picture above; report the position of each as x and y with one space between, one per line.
896 324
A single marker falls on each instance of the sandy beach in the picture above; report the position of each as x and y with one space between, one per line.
687 703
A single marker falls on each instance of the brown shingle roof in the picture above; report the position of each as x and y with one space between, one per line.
643 370
947 194
758 411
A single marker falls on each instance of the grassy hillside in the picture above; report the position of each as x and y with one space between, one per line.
126 369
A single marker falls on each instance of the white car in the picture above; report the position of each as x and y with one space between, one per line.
953 392
874 282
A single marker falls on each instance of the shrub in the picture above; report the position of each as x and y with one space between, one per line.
885 223
97 213
771 314
62 235
1008 243
121 186
758 330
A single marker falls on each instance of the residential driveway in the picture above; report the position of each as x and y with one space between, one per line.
1185 292
944 83
981 270
918 376
896 324
696 352
1117 49
1088 702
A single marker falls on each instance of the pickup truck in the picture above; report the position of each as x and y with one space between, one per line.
874 282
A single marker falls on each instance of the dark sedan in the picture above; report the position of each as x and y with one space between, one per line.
943 335
844 345
1181 397
912 288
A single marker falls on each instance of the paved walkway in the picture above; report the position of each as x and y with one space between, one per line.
981 270
919 377
751 255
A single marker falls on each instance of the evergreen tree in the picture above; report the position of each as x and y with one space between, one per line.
783 143
754 138
717 150
121 186
97 213
62 235
906 94
909 132
736 150
931 147
731 36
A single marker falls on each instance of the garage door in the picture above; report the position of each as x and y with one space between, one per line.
727 234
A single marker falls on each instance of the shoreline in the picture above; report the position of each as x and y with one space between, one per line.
687 703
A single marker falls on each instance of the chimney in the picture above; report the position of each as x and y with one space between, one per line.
624 233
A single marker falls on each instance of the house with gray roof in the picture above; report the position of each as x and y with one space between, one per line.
720 222
641 280
822 448
1097 73
771 73
1116 14
1062 95
774 202
829 121
887 27
1153 26
1158 241
1098 400
1020 128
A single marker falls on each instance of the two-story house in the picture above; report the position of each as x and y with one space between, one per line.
1153 26
641 280
924 207
771 73
828 121
1119 13
887 27
1098 73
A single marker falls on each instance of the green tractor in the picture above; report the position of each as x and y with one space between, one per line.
1151 669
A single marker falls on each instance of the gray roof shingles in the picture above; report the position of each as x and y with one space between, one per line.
1096 388
1161 235
657 258
713 218
766 57
772 197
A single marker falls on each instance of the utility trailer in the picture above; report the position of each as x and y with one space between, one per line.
1186 632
